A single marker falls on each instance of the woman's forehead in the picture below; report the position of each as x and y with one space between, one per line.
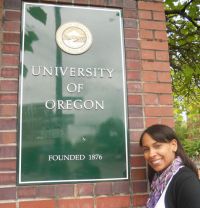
147 139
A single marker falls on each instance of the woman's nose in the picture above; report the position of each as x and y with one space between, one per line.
152 153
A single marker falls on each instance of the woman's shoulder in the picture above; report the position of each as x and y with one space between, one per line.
183 190
183 174
185 177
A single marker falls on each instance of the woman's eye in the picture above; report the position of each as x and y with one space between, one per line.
145 149
157 146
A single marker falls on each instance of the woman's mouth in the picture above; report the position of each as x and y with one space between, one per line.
155 162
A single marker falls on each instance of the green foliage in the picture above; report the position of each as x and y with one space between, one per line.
187 126
183 28
192 147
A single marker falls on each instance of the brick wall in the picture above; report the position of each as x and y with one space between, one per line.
149 102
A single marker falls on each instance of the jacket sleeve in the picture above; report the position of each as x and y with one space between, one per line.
188 192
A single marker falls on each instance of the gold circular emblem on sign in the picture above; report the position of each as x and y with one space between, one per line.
73 38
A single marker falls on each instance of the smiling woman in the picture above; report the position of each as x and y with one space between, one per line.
172 175
159 155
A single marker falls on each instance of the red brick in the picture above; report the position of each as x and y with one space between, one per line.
132 54
135 135
144 14
7 151
151 121
155 66
157 88
139 200
64 190
162 55
131 43
138 174
81 2
7 205
10 48
8 85
37 204
8 98
158 111
131 33
139 187
166 99
134 100
168 122
75 203
164 77
151 99
161 35
137 161
98 2
149 76
7 165
8 193
8 110
150 6
135 149
133 64
146 34
130 23
113 202
13 5
134 87
46 191
136 123
147 55
129 4
10 60
133 75
7 124
115 3
12 15
129 13
11 26
159 16
85 189
7 137
121 187
11 37
10 72
152 25
154 45
26 192
134 111
7 178
103 188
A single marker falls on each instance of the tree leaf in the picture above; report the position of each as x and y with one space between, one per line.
38 13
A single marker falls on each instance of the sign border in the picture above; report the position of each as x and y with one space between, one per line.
20 99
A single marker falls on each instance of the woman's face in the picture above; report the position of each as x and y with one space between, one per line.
158 155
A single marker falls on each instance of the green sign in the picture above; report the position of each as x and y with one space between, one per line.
72 100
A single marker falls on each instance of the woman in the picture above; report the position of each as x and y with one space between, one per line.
172 175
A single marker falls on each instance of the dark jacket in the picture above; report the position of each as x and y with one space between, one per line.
183 190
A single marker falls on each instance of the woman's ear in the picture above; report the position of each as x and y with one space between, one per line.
174 145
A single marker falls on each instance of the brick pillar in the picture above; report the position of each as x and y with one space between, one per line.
149 102
158 106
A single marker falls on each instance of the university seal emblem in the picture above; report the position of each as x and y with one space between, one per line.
73 38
